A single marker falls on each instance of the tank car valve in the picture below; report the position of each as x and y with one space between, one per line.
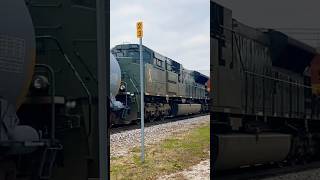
71 104
40 82
122 87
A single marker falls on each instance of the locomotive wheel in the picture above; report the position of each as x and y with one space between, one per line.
138 122
152 119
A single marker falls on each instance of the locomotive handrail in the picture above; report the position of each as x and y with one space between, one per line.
275 79
258 75
49 5
75 72
134 85
252 73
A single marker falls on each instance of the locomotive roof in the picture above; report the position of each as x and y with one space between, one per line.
200 78
291 41
250 32
159 56
286 52
290 53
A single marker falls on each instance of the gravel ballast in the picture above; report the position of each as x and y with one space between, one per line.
121 143
304 175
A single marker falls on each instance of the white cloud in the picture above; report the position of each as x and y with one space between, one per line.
177 29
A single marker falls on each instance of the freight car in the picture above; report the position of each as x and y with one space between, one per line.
263 108
170 89
48 93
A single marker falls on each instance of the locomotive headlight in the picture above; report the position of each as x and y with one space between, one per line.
122 87
40 82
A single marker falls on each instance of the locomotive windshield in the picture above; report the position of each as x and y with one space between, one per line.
132 52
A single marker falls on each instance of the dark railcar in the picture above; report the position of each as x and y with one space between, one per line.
262 106
48 53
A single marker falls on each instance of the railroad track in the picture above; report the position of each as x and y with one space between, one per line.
121 128
264 171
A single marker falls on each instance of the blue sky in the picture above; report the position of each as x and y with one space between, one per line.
178 29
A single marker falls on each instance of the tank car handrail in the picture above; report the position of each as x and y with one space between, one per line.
75 72
53 93
126 85
81 60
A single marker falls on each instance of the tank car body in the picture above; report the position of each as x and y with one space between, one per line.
17 61
115 76
170 89
261 100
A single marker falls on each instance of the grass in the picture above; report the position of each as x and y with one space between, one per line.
168 156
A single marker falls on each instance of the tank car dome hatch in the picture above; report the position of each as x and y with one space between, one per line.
17 50
115 76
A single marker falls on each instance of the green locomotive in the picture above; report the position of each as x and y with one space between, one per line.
170 89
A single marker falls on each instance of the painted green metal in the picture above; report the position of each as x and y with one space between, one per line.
165 81
160 79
